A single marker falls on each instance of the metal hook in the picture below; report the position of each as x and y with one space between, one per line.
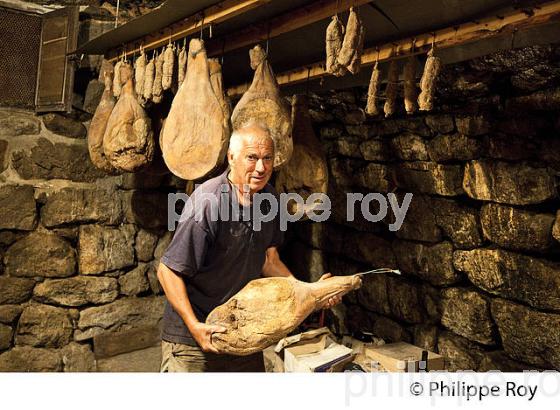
433 39
307 82
267 37
513 37
202 27
377 58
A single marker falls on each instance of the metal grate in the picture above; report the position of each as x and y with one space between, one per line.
20 35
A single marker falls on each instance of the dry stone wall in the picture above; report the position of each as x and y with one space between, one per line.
478 249
78 251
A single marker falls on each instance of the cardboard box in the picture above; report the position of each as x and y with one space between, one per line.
402 357
312 351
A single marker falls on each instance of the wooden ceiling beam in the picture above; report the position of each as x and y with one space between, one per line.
494 26
284 23
212 15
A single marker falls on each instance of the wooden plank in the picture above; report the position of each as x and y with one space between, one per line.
212 15
494 26
284 23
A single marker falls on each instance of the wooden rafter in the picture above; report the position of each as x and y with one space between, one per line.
290 21
515 20
212 15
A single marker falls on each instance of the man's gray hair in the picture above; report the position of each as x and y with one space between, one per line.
236 139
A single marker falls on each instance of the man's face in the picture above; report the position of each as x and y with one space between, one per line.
253 165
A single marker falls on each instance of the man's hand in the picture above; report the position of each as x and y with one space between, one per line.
335 300
202 333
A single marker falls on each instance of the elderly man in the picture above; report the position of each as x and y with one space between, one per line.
210 259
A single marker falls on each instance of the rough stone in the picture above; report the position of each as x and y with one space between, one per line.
305 263
368 248
528 335
94 91
440 124
121 314
15 290
146 360
49 160
404 300
433 263
354 117
103 249
15 123
155 286
359 320
536 77
3 149
390 331
425 337
362 131
341 170
78 206
459 353
29 359
331 131
162 245
556 227
431 300
10 313
430 178
546 100
517 229
113 343
76 291
375 178
78 357
458 222
41 254
467 313
420 222
513 276
346 148
135 282
409 147
472 126
140 180
44 326
145 245
146 209
506 183
373 294
499 361
454 147
17 207
7 238
62 125
375 150
6 335
502 146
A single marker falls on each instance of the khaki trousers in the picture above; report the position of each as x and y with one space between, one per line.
178 357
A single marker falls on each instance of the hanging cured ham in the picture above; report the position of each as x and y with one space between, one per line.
99 121
267 309
196 134
306 172
263 103
218 87
128 142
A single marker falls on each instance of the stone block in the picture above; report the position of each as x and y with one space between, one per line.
16 123
454 147
135 282
430 178
17 207
44 326
30 359
61 125
15 290
459 353
76 291
111 344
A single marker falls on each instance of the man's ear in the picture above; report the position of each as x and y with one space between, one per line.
230 157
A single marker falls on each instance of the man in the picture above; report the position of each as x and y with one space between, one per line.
210 259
